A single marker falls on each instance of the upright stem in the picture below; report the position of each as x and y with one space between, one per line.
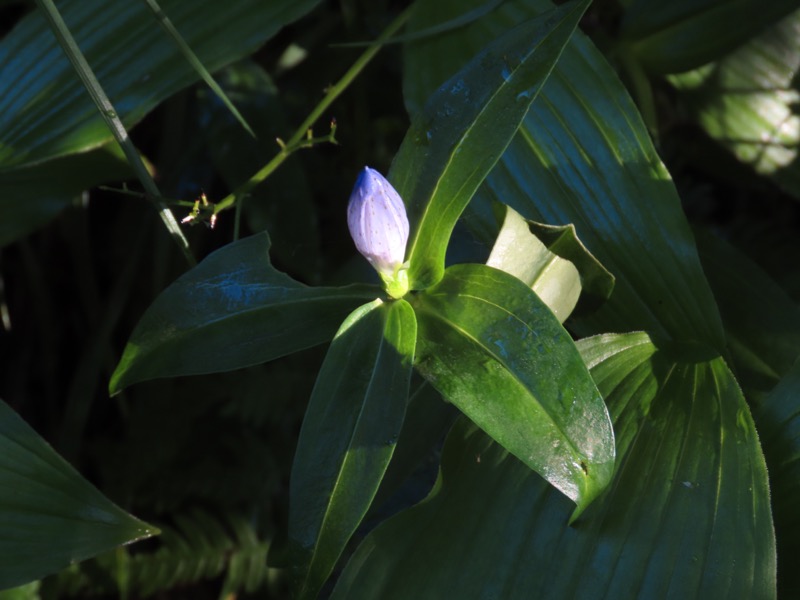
300 138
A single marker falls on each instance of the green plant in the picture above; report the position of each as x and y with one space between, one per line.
617 392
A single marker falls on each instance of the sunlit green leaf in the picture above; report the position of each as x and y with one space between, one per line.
349 433
747 101
465 126
50 516
520 253
494 349
687 515
233 310
583 156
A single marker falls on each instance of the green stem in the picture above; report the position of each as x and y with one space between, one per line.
300 138
109 115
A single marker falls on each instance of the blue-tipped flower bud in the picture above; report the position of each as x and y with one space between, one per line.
378 225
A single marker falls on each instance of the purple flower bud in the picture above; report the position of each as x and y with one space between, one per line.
378 223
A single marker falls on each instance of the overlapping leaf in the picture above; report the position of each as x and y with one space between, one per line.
583 156
463 129
687 515
233 310
520 253
553 261
50 516
349 433
494 349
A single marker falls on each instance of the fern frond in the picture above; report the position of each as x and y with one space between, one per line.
200 547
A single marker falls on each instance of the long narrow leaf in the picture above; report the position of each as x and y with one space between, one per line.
464 128
43 110
583 156
353 421
196 63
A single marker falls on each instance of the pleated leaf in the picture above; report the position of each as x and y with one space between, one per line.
583 156
50 516
686 516
465 126
233 310
45 111
747 102
494 349
349 433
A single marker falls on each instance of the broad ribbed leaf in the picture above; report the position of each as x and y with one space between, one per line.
50 516
494 349
748 102
778 421
583 156
31 196
670 37
687 515
45 111
232 310
762 323
349 433
465 126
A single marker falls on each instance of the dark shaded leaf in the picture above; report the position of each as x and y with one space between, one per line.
231 311
762 323
50 516
670 37
778 421
31 196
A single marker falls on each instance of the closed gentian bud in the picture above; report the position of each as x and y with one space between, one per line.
378 224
